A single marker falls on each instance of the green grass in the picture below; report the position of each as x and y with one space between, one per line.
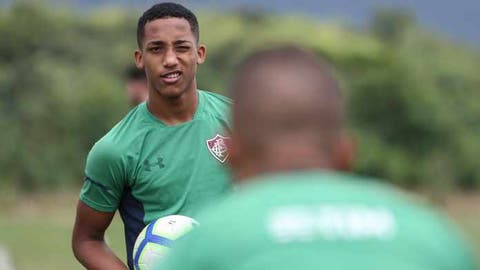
36 229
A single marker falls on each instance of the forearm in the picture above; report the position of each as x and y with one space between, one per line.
96 255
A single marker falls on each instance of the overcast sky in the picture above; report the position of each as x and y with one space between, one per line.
458 19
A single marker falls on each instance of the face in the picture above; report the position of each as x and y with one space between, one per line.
170 56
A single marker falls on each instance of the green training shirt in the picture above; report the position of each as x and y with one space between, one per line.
147 169
319 220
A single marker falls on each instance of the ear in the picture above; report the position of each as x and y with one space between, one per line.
344 153
201 53
139 59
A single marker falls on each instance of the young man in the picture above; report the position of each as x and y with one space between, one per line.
166 156
296 210
136 86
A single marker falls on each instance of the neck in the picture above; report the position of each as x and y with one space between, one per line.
173 110
283 159
291 163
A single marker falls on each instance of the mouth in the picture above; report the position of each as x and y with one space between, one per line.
171 77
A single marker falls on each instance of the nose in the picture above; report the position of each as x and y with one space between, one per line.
170 58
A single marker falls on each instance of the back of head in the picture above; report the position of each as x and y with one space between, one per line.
163 11
287 111
134 73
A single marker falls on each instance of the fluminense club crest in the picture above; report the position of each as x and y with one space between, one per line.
218 147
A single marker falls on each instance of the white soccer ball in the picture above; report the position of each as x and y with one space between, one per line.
156 239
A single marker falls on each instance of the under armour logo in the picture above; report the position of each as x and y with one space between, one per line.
148 165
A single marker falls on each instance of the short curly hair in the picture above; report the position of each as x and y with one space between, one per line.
166 10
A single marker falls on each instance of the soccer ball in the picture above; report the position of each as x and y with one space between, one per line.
156 239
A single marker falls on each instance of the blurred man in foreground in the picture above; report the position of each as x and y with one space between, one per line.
295 208
136 86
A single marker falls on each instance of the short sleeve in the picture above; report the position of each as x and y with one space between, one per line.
105 175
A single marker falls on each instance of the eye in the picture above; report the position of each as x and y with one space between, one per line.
155 49
183 48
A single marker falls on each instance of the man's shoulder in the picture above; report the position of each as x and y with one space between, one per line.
215 97
216 103
313 190
105 150
316 189
215 107
122 134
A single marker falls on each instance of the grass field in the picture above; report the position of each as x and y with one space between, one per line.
36 230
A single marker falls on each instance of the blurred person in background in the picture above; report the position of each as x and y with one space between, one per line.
295 207
136 86
166 156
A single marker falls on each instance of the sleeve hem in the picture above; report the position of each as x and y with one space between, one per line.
97 206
